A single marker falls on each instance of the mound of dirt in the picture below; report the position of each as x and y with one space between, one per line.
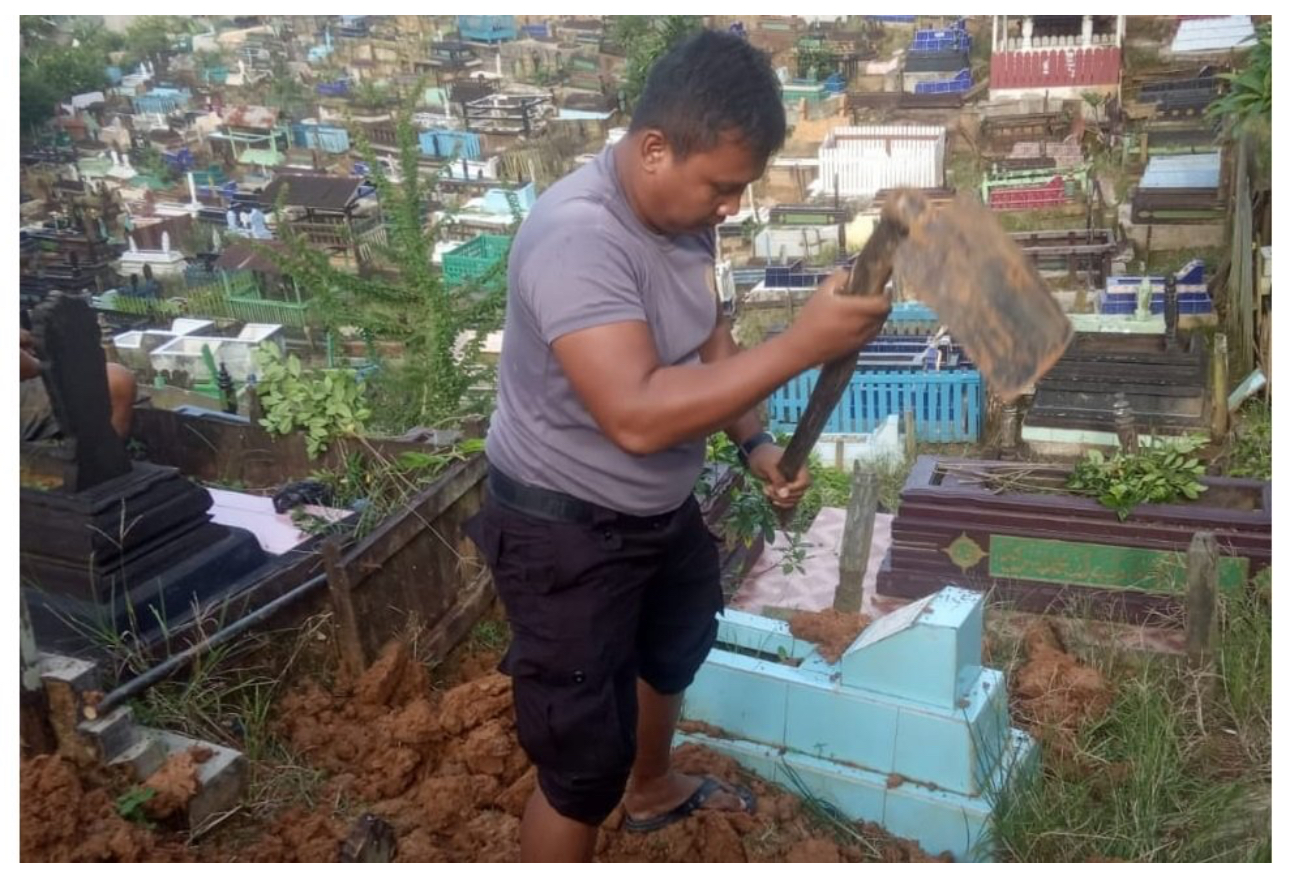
298 836
449 776
65 819
443 769
831 631
176 783
1055 694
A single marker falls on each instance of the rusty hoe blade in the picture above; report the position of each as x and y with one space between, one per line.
962 265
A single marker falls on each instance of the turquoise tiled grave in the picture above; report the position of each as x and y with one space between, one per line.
907 730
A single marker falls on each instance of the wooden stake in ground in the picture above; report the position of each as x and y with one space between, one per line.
1218 385
352 657
1008 432
857 540
1202 599
1126 429
911 437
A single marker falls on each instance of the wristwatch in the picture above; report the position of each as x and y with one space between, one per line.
746 448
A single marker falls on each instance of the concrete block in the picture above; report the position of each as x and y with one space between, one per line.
842 451
745 702
856 793
863 735
79 676
936 822
935 638
66 681
908 729
144 756
760 635
955 752
221 779
111 734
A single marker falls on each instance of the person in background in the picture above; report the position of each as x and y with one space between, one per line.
37 414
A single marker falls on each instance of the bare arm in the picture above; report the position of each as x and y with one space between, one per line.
644 406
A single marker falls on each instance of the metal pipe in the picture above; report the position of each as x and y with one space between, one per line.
148 678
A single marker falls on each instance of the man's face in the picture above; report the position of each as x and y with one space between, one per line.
702 189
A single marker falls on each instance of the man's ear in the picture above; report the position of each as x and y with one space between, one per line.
655 152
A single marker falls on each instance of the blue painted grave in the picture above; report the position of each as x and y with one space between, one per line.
907 730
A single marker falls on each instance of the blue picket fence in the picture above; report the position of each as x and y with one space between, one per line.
445 144
960 83
338 88
1127 303
324 137
486 28
162 101
911 318
948 406
954 39
1121 293
797 275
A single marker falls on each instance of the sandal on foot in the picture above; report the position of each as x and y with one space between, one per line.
696 801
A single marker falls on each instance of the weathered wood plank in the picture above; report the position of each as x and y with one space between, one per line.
353 658
1202 599
857 538
399 530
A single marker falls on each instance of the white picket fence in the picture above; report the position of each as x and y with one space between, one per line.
863 160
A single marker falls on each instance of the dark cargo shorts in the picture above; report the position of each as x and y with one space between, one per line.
593 605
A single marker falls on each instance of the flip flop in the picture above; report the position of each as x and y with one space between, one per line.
695 802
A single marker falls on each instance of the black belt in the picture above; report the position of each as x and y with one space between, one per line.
559 507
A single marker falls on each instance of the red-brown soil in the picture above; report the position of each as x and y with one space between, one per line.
831 631
445 770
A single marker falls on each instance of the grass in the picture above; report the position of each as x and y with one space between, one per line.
752 326
1250 450
1040 219
489 635
382 485
227 697
1107 166
1170 261
963 172
1172 772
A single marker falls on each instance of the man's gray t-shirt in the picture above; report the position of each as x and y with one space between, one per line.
581 259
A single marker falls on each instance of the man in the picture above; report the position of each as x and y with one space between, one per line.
36 415
616 366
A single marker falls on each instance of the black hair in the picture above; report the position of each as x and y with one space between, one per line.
709 84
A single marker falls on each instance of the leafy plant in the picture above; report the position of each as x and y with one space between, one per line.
321 403
646 38
309 523
815 60
1154 475
130 805
49 71
151 36
793 554
1250 97
400 297
750 515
